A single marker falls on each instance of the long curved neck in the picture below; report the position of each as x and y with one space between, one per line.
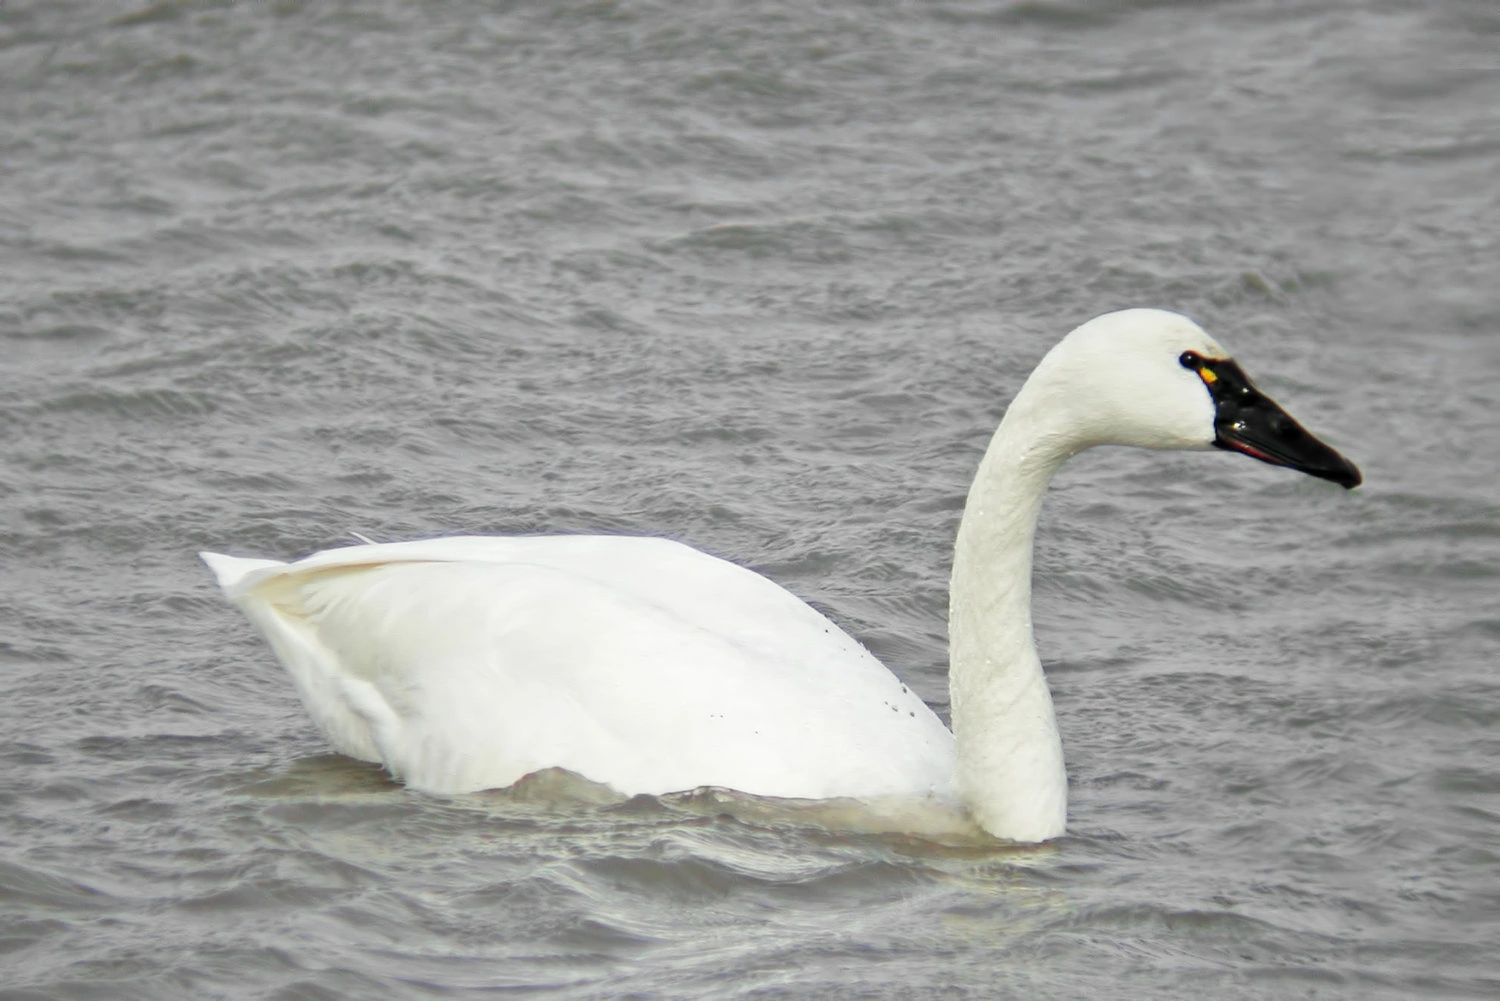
1010 762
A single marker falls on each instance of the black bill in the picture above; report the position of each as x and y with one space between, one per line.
1249 421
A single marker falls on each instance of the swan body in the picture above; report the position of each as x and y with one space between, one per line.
647 665
468 663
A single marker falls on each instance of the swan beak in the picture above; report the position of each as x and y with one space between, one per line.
1249 421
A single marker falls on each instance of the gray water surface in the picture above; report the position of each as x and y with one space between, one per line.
762 278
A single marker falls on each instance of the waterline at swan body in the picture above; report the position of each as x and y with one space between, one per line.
467 663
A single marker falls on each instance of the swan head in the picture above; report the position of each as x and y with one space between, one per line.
1154 379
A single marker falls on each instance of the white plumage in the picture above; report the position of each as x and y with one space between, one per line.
467 663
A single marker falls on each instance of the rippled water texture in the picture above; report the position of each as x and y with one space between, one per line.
760 277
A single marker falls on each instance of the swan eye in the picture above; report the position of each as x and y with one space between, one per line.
1193 362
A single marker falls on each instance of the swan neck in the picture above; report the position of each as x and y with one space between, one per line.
1010 764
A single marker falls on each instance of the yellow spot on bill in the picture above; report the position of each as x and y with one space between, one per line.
1208 376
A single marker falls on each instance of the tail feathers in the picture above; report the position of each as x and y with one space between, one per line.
230 571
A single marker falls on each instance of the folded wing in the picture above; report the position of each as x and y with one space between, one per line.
467 663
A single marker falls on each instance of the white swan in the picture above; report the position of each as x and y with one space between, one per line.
467 663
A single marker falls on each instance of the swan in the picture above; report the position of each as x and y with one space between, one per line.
468 663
